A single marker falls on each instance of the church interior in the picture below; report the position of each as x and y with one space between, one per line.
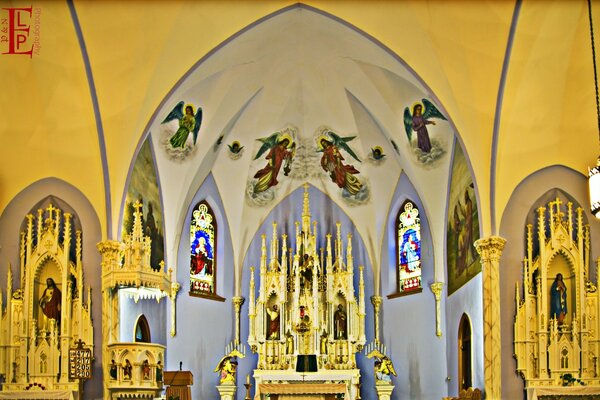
279 200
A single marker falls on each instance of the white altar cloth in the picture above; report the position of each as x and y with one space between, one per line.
39 395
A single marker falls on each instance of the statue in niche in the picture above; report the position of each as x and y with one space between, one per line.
340 323
146 370
289 343
50 300
306 273
323 347
558 299
273 332
127 369
159 372
113 369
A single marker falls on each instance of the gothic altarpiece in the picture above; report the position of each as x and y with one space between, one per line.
557 329
47 315
307 306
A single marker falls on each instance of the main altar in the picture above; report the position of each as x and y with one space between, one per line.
307 324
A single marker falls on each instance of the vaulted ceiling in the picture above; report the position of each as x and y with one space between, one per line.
514 79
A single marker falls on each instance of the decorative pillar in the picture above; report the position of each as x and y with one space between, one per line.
175 286
237 304
227 391
490 250
436 288
384 390
376 301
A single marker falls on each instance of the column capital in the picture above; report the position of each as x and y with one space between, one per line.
237 301
436 288
376 301
490 248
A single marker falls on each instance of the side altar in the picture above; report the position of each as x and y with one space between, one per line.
557 323
307 324
49 314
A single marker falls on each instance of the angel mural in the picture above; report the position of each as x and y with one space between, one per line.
332 162
281 148
188 123
418 122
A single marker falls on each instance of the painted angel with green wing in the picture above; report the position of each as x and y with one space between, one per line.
281 149
188 123
331 161
418 122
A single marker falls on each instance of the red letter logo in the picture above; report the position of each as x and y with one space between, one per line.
18 31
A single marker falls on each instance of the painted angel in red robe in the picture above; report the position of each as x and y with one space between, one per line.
331 161
281 152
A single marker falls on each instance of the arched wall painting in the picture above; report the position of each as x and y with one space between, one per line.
143 187
408 240
463 225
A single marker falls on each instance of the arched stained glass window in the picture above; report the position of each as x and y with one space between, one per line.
408 249
203 257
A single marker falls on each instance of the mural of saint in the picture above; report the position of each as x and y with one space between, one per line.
188 123
143 187
281 150
332 162
418 122
50 300
463 225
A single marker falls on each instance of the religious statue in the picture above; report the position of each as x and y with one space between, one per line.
340 323
50 300
323 347
384 369
127 369
558 299
159 372
227 368
113 369
289 343
274 322
146 370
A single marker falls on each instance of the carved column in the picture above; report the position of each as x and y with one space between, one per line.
436 288
376 300
175 286
490 250
237 303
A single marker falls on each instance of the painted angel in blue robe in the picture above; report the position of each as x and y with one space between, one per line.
188 123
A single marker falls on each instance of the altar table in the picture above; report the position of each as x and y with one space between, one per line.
301 391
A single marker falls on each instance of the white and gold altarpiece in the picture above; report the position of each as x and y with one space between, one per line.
307 306
132 370
47 314
557 329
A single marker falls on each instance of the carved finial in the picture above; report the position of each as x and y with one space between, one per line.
306 211
137 221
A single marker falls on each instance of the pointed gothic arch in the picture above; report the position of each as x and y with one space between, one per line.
142 330
465 363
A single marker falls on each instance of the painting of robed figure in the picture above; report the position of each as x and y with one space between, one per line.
463 225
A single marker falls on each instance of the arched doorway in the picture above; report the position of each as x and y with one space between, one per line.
142 330
464 353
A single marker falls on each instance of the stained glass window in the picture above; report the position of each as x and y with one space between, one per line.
203 265
409 249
